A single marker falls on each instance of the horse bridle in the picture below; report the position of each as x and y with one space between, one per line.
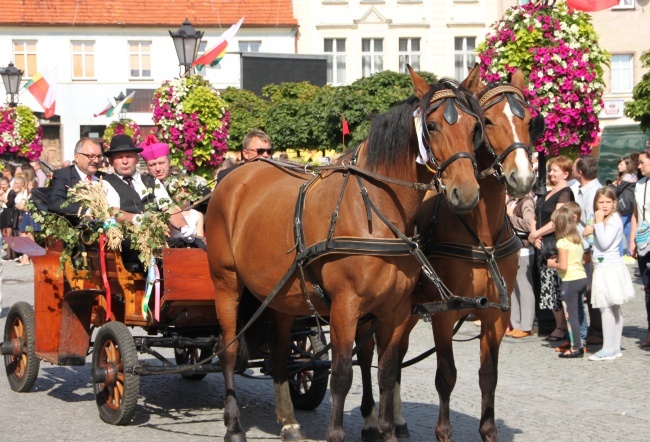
449 99
516 101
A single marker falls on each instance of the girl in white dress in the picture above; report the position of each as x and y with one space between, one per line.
611 285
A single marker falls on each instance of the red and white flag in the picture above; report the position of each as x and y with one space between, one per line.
43 88
592 5
345 128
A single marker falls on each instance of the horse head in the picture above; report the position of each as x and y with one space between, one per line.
448 129
510 130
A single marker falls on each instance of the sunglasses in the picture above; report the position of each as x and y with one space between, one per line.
91 157
261 151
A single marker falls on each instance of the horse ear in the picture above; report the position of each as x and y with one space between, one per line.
420 86
473 81
517 79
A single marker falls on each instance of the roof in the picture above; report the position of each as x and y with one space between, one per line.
150 13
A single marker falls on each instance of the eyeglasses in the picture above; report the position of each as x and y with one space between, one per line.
261 151
91 157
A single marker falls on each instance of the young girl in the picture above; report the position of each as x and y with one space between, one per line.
574 278
611 285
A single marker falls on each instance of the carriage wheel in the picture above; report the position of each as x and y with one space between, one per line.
190 356
116 389
22 366
308 387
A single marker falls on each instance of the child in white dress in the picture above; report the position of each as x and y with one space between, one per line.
611 285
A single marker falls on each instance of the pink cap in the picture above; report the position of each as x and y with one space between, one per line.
153 149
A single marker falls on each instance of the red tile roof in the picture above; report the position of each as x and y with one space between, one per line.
202 13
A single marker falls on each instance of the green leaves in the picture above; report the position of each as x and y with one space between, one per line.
639 108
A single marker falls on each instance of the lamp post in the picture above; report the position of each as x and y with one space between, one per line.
11 77
186 42
120 98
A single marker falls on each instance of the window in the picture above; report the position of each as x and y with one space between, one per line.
142 100
409 52
249 46
25 56
140 59
464 56
622 72
625 4
335 51
83 59
372 60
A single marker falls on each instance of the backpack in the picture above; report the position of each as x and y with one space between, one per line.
625 198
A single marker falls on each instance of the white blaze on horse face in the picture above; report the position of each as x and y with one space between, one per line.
521 158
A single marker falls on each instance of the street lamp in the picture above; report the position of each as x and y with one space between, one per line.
11 78
186 41
120 98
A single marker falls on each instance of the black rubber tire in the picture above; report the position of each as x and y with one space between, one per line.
190 356
308 387
114 346
22 370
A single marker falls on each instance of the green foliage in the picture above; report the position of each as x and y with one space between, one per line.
247 111
639 108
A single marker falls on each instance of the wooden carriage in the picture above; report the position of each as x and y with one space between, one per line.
73 316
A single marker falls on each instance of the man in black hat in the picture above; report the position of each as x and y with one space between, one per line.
130 192
88 157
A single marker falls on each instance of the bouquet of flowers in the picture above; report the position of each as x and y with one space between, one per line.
20 133
186 188
191 117
126 126
558 49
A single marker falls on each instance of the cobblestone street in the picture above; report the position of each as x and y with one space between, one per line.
539 398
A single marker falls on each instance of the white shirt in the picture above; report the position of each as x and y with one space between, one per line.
607 236
84 176
639 191
163 200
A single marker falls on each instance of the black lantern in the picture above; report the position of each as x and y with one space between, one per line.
120 98
11 78
186 41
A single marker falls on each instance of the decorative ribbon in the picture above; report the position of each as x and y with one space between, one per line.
151 279
423 158
107 286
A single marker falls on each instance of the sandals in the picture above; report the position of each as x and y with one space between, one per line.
646 342
553 338
572 354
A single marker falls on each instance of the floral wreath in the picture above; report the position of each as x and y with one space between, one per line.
21 134
191 116
558 50
118 127
192 185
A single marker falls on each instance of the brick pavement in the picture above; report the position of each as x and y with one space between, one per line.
539 398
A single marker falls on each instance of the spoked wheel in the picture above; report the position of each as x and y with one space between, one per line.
116 388
190 356
21 364
308 387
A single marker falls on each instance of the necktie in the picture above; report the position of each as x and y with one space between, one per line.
90 178
129 181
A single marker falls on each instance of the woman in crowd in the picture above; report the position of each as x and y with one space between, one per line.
559 172
8 215
626 180
27 225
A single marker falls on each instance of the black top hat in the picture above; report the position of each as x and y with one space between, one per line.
122 143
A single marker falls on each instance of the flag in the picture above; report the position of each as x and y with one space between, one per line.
344 127
106 110
214 55
591 5
43 88
122 105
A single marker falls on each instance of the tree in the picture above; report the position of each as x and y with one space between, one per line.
247 112
639 108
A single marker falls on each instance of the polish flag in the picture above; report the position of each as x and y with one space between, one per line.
43 88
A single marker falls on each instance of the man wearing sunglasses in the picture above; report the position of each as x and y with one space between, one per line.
88 159
256 144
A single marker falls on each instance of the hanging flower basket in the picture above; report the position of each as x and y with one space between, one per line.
558 49
21 135
119 127
191 117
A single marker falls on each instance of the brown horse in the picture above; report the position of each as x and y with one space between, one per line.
504 160
259 226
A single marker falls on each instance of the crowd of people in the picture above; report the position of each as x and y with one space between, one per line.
578 235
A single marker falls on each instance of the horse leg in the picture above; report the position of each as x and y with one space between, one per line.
446 372
343 325
279 344
228 291
401 428
365 352
492 333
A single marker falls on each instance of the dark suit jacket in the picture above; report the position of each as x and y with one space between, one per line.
62 180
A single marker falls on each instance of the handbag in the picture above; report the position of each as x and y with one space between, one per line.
642 235
549 246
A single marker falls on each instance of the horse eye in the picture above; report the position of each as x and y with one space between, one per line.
488 122
431 126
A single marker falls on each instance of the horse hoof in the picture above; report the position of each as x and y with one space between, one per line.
235 437
370 435
402 431
292 434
